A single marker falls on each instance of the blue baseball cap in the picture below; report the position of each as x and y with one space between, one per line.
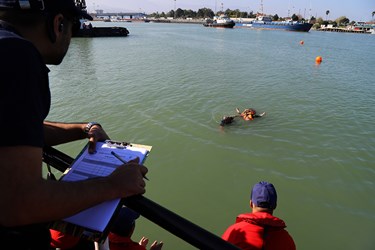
264 195
55 6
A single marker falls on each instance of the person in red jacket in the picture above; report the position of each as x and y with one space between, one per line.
122 231
260 230
119 237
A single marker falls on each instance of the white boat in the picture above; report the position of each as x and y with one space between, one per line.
221 21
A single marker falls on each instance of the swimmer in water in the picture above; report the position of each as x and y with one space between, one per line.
249 114
227 120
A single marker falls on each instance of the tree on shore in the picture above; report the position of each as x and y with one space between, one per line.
236 13
179 13
205 13
252 14
343 20
208 13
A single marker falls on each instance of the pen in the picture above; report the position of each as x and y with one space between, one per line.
123 161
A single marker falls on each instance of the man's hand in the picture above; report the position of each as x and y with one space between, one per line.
96 134
128 179
143 242
156 246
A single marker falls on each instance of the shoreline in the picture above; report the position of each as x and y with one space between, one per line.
202 21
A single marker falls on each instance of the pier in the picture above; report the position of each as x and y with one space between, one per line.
360 29
344 30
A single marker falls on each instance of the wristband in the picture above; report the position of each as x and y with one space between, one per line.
89 126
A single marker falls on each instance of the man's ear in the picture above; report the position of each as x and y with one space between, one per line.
55 26
251 204
59 24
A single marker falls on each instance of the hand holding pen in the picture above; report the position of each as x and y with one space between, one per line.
123 161
128 180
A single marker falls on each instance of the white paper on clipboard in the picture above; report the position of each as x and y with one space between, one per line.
99 164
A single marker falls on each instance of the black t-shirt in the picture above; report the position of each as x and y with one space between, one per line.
24 91
24 104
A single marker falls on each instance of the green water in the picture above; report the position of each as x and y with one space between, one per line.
167 85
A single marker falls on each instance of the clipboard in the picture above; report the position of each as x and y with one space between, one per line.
94 223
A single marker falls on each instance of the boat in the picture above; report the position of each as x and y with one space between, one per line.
87 30
265 22
102 32
221 21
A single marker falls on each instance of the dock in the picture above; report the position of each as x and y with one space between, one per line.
344 30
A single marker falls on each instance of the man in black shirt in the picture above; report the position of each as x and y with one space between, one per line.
34 33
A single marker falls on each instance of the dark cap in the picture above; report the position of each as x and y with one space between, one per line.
264 195
125 221
55 6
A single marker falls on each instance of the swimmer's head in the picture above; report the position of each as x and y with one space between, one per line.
226 120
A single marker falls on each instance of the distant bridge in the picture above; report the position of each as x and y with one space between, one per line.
122 15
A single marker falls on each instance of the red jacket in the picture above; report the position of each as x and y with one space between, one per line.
62 240
259 231
117 242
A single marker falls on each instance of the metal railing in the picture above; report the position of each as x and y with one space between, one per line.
170 221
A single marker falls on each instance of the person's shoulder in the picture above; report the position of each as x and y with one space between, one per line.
285 239
13 42
17 42
241 220
16 45
16 51
6 34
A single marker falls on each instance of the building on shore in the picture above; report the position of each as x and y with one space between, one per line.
364 28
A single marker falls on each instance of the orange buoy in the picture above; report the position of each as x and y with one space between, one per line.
301 42
318 60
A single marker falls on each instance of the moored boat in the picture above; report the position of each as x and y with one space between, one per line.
221 21
265 22
87 30
102 32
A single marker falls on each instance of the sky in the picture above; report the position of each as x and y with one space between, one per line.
355 10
